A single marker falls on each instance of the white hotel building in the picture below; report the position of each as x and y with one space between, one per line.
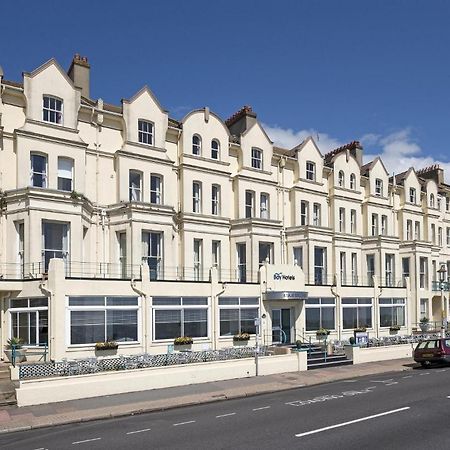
118 222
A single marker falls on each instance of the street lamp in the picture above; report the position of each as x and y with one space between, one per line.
442 275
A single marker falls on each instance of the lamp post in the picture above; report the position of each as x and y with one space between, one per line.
442 273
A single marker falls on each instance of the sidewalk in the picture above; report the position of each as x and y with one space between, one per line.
13 418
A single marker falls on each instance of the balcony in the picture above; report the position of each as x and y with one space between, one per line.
437 286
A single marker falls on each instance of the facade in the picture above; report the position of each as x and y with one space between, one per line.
121 223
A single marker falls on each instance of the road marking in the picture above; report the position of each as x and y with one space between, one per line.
183 423
350 381
407 376
225 415
362 419
426 373
442 370
86 440
259 409
139 431
448 396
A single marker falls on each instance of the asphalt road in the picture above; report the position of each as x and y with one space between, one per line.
401 410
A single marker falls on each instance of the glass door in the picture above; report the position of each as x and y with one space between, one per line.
55 242
281 326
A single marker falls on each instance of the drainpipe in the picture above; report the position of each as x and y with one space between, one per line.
215 313
282 164
3 319
334 291
144 310
51 321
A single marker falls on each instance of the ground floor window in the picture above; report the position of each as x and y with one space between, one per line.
100 319
320 313
180 316
237 315
29 320
356 313
392 312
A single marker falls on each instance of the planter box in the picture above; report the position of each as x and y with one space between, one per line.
240 343
106 352
20 355
182 347
424 327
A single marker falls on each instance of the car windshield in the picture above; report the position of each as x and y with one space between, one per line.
429 344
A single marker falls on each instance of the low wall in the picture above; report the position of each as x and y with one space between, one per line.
383 353
58 389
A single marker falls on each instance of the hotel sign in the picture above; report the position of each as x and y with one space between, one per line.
278 276
286 295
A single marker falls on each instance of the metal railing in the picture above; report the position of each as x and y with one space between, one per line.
21 351
19 271
436 286
94 365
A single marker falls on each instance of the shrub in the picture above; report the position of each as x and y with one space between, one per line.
108 345
14 341
241 337
183 340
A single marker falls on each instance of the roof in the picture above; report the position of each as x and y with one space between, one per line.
12 83
350 146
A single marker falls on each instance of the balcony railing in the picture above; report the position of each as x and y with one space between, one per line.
19 271
436 286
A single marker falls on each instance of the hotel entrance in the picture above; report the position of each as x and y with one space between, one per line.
281 325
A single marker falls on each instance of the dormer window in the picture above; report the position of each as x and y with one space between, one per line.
310 171
378 187
431 200
215 147
196 145
353 181
52 110
341 178
412 195
256 158
145 132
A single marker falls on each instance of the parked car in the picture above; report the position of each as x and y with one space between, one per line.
433 351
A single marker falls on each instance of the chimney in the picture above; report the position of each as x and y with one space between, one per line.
79 74
241 120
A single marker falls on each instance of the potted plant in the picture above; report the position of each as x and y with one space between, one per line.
241 338
183 343
394 329
322 333
20 351
360 330
424 324
106 348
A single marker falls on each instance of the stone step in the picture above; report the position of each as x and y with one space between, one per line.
324 365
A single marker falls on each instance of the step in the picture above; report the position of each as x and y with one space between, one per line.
329 364
329 358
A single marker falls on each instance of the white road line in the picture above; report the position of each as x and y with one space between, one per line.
259 409
225 415
362 419
441 370
139 431
407 376
86 440
183 423
448 396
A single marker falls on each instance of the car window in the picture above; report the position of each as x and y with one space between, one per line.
422 344
432 344
447 343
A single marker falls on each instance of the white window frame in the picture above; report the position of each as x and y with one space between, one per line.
134 193
353 181
146 132
196 145
378 187
63 171
198 259
264 204
304 213
58 114
317 216
215 200
249 204
215 149
29 310
197 197
341 179
243 303
257 158
342 220
44 175
412 195
311 170
157 192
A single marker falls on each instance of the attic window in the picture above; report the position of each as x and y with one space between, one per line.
412 195
145 132
256 158
310 171
52 110
378 187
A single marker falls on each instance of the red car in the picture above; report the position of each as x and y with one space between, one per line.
433 351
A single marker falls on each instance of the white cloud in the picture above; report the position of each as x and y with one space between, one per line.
289 138
398 150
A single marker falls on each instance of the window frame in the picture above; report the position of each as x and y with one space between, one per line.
378 187
44 175
196 145
257 158
360 303
157 193
215 150
394 303
197 197
322 303
65 158
215 199
145 136
133 190
58 113
310 172
242 303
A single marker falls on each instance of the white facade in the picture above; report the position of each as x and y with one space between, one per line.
176 218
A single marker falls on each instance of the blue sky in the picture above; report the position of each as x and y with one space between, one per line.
377 71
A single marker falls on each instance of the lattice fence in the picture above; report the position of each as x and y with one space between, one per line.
94 365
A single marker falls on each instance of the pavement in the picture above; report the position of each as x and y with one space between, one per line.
13 418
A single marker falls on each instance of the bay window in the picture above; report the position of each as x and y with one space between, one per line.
38 170
29 320
237 315
156 189
135 186
100 319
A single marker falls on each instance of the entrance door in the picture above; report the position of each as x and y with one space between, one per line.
281 326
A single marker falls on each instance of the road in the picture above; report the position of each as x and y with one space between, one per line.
409 410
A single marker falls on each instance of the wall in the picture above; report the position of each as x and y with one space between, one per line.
35 392
363 355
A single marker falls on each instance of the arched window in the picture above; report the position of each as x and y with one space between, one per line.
196 145
215 149
353 181
341 178
431 200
